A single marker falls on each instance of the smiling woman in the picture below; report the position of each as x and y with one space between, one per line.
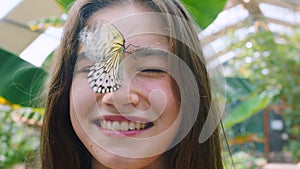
130 90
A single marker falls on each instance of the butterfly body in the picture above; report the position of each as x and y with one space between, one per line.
104 45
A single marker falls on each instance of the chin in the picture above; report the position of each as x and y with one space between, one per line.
111 161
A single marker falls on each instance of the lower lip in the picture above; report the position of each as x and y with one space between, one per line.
122 133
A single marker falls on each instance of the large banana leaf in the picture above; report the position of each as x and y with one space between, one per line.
203 11
20 81
65 4
246 109
237 88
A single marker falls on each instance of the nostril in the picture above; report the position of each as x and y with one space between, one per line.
106 97
133 98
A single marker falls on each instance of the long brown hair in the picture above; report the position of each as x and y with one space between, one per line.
61 148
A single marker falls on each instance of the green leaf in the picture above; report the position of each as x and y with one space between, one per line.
246 109
20 81
237 88
65 4
203 11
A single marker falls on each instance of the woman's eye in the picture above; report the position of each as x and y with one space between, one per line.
154 71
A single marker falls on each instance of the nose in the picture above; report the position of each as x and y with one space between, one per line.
128 96
125 98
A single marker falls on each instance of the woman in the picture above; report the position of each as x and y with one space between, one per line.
153 115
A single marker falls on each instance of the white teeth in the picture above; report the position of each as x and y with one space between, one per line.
116 125
122 126
137 126
108 125
131 125
103 123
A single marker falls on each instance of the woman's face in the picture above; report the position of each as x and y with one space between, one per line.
131 127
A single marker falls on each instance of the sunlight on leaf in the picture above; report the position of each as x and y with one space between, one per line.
246 109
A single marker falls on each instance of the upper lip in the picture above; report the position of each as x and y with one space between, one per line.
121 118
122 123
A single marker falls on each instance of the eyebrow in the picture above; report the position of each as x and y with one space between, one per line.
137 53
144 52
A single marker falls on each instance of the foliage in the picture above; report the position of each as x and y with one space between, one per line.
64 4
272 63
244 160
272 66
237 89
21 81
242 105
29 116
204 12
19 144
246 109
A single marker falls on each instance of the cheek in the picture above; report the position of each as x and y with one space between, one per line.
172 105
162 97
81 101
155 92
81 95
172 109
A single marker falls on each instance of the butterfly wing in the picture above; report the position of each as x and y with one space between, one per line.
101 41
104 45
102 79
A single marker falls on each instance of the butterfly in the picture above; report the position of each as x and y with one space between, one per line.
104 45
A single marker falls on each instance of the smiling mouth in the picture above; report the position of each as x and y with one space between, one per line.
122 126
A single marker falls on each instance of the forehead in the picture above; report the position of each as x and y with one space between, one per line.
131 20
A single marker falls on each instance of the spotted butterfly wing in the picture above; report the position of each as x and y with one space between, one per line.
103 77
104 45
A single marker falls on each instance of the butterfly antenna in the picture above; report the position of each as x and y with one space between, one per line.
129 46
